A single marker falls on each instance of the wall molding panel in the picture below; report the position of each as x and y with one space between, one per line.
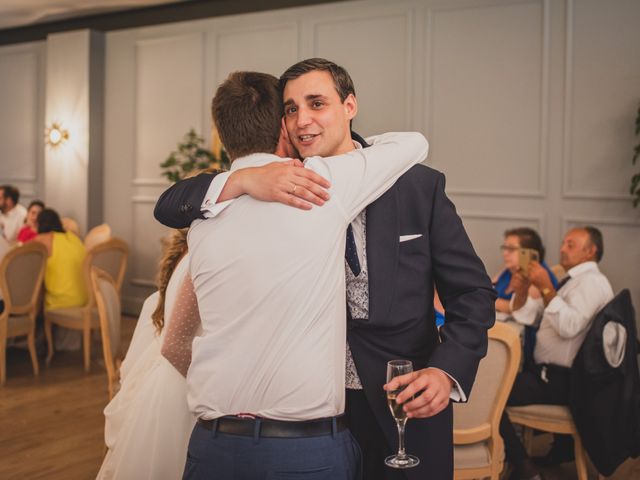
22 96
537 189
569 164
376 63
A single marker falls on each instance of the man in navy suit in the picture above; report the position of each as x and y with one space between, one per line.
398 248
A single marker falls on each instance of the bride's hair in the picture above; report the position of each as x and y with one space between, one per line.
174 249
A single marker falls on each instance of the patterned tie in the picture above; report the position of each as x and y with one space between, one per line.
563 282
351 254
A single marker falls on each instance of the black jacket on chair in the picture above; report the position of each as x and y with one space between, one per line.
605 400
401 320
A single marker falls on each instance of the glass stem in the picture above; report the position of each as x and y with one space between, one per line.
401 452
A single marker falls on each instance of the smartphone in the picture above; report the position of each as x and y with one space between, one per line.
525 257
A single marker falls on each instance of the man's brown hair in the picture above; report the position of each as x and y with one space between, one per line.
341 78
247 111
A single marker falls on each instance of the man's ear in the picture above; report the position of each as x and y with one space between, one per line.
591 251
350 106
284 148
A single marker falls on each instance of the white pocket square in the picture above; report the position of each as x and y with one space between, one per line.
406 238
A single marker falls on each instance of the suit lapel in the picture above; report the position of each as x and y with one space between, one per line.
382 254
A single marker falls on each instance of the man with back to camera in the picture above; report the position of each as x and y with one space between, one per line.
407 240
567 314
12 214
266 380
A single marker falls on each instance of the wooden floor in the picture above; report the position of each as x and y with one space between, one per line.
52 427
629 470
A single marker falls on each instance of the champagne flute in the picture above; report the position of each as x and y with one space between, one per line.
396 368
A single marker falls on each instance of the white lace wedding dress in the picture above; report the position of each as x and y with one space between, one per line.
148 423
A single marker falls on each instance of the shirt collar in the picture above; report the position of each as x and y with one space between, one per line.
256 160
583 268
260 159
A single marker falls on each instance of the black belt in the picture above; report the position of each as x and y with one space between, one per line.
264 427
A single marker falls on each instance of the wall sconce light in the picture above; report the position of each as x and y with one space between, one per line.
55 135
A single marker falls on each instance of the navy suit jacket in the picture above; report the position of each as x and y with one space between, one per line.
402 275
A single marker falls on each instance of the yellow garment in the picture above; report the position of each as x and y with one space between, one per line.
63 280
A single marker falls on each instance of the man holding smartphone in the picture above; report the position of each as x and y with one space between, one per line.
567 313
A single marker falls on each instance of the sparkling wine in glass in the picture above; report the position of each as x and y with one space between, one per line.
396 368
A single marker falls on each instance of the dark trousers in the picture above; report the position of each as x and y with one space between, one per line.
234 457
434 448
530 388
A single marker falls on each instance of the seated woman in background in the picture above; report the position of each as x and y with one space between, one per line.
30 228
514 240
63 281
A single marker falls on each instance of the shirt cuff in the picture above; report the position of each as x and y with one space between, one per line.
528 313
210 208
555 305
457 394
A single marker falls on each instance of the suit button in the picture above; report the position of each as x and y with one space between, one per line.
186 208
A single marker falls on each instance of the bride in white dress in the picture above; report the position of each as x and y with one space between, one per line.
148 423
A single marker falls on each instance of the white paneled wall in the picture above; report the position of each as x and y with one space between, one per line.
528 104
487 87
22 118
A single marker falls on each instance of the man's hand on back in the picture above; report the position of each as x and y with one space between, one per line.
284 182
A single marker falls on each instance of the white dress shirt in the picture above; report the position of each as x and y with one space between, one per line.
568 316
270 285
12 221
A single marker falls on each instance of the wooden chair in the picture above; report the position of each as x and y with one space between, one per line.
110 256
97 235
478 447
70 225
21 274
109 312
554 419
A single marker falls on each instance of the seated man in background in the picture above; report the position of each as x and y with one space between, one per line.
12 214
567 313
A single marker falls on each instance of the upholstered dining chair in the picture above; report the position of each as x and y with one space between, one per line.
21 274
97 235
109 313
110 256
478 447
554 419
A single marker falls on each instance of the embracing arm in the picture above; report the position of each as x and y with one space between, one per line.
466 293
179 205
468 298
183 326
207 194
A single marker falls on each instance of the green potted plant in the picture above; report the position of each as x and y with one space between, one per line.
192 155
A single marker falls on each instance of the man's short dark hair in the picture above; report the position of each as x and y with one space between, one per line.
11 192
341 78
247 111
529 238
49 221
595 236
